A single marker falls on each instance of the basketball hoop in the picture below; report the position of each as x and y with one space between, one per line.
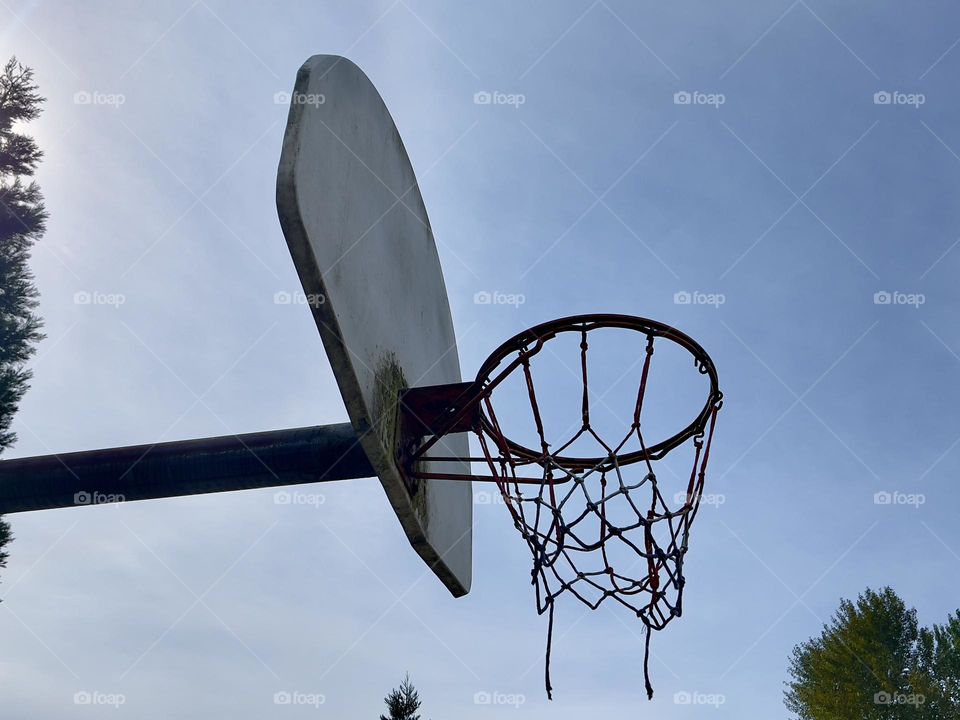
597 523
555 497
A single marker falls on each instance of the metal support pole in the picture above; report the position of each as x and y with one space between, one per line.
186 467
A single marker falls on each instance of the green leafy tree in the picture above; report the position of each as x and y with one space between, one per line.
22 219
942 659
873 661
403 702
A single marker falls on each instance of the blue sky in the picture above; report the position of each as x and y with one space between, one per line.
787 187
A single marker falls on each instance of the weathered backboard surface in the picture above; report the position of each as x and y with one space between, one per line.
359 235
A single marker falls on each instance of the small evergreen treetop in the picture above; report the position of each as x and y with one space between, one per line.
403 702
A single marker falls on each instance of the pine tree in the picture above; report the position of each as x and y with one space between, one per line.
873 661
22 219
402 703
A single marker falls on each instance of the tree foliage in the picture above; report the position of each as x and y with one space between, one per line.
873 661
403 702
22 220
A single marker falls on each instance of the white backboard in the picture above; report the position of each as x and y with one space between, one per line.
358 231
